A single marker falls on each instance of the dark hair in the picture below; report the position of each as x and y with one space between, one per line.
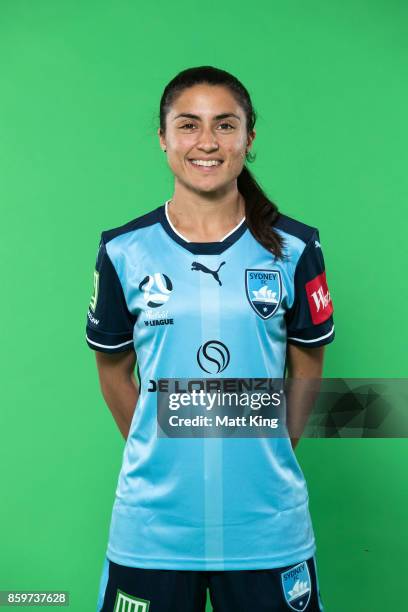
260 212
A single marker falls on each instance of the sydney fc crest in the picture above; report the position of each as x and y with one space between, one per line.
296 586
264 291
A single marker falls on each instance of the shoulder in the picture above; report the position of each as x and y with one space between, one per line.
143 221
295 228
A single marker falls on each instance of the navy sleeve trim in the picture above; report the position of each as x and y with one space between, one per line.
313 337
109 343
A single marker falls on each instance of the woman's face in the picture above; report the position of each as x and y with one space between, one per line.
196 131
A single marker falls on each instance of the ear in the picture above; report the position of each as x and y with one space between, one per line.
162 140
250 140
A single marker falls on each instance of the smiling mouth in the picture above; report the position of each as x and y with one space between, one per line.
204 167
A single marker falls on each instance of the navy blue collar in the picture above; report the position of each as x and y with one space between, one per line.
204 248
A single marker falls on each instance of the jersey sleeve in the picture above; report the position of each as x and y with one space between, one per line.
309 321
109 326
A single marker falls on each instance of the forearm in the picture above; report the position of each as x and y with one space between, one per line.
121 396
119 386
305 367
301 396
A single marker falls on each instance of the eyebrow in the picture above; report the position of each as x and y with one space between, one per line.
217 117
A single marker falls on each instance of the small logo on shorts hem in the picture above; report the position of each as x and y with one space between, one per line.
128 603
296 586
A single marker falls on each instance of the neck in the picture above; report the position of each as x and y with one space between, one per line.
192 211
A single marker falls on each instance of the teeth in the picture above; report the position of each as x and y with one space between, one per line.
200 162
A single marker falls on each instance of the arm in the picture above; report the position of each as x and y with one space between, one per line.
310 327
109 332
119 386
303 364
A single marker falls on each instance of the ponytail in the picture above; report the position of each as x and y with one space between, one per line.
260 213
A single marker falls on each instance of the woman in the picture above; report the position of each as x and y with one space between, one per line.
211 288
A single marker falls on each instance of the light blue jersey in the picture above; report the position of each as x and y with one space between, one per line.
198 311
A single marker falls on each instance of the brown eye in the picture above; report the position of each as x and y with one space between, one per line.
187 125
231 126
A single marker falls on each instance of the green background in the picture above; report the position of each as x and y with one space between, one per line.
80 84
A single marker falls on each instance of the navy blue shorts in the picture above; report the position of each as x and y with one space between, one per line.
131 589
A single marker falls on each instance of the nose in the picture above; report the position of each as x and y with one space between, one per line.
208 140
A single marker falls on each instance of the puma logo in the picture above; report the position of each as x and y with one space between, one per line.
198 266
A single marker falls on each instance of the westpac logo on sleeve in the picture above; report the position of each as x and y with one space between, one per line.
318 295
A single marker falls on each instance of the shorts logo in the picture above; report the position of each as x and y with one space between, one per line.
128 603
296 586
320 304
156 289
264 291
94 297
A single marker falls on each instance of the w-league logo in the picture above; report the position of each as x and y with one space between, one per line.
156 289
